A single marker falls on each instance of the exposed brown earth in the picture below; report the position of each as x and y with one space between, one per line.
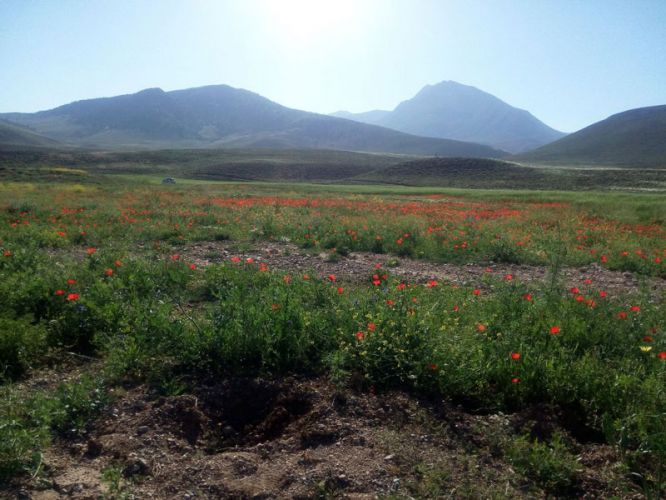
306 438
359 266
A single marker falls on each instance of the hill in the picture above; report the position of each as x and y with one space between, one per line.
461 112
633 138
12 136
498 174
220 116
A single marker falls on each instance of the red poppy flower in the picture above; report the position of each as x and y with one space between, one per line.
71 282
515 380
371 327
7 253
306 277
109 272
515 355
61 234
118 263
604 259
275 307
635 308
554 330
340 290
574 290
91 250
401 286
287 279
602 294
59 293
193 267
360 335
72 297
263 267
389 302
375 282
331 277
433 367
622 315
508 277
375 276
528 297
588 281
175 257
481 328
235 259
378 266
249 260
662 355
647 338
477 292
456 308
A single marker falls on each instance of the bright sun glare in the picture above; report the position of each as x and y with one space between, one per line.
308 20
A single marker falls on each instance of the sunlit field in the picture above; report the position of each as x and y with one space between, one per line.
112 279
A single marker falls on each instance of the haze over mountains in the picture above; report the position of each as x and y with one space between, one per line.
455 111
221 116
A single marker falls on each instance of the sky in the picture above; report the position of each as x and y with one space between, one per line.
568 62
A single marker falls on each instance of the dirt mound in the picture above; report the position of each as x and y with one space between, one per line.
298 438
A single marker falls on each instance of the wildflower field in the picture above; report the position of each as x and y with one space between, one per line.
109 283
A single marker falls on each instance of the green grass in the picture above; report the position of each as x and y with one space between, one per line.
102 271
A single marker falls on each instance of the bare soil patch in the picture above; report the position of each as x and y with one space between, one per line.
301 438
359 267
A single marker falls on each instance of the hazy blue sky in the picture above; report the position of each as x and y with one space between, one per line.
568 62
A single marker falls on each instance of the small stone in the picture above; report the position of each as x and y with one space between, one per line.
389 457
136 467
140 431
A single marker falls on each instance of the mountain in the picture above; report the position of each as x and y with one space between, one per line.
12 135
221 116
636 138
454 111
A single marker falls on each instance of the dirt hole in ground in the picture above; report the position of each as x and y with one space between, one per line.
245 412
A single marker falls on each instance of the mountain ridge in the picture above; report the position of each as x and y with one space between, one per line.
634 137
221 116
452 110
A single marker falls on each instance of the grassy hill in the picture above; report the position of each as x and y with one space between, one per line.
497 174
318 166
634 138
13 136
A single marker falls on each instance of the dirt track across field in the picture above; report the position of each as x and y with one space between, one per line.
359 267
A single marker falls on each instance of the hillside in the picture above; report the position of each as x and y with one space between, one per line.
12 135
498 174
633 138
222 116
461 112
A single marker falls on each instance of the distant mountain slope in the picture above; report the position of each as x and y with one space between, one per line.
454 111
635 137
12 135
222 116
